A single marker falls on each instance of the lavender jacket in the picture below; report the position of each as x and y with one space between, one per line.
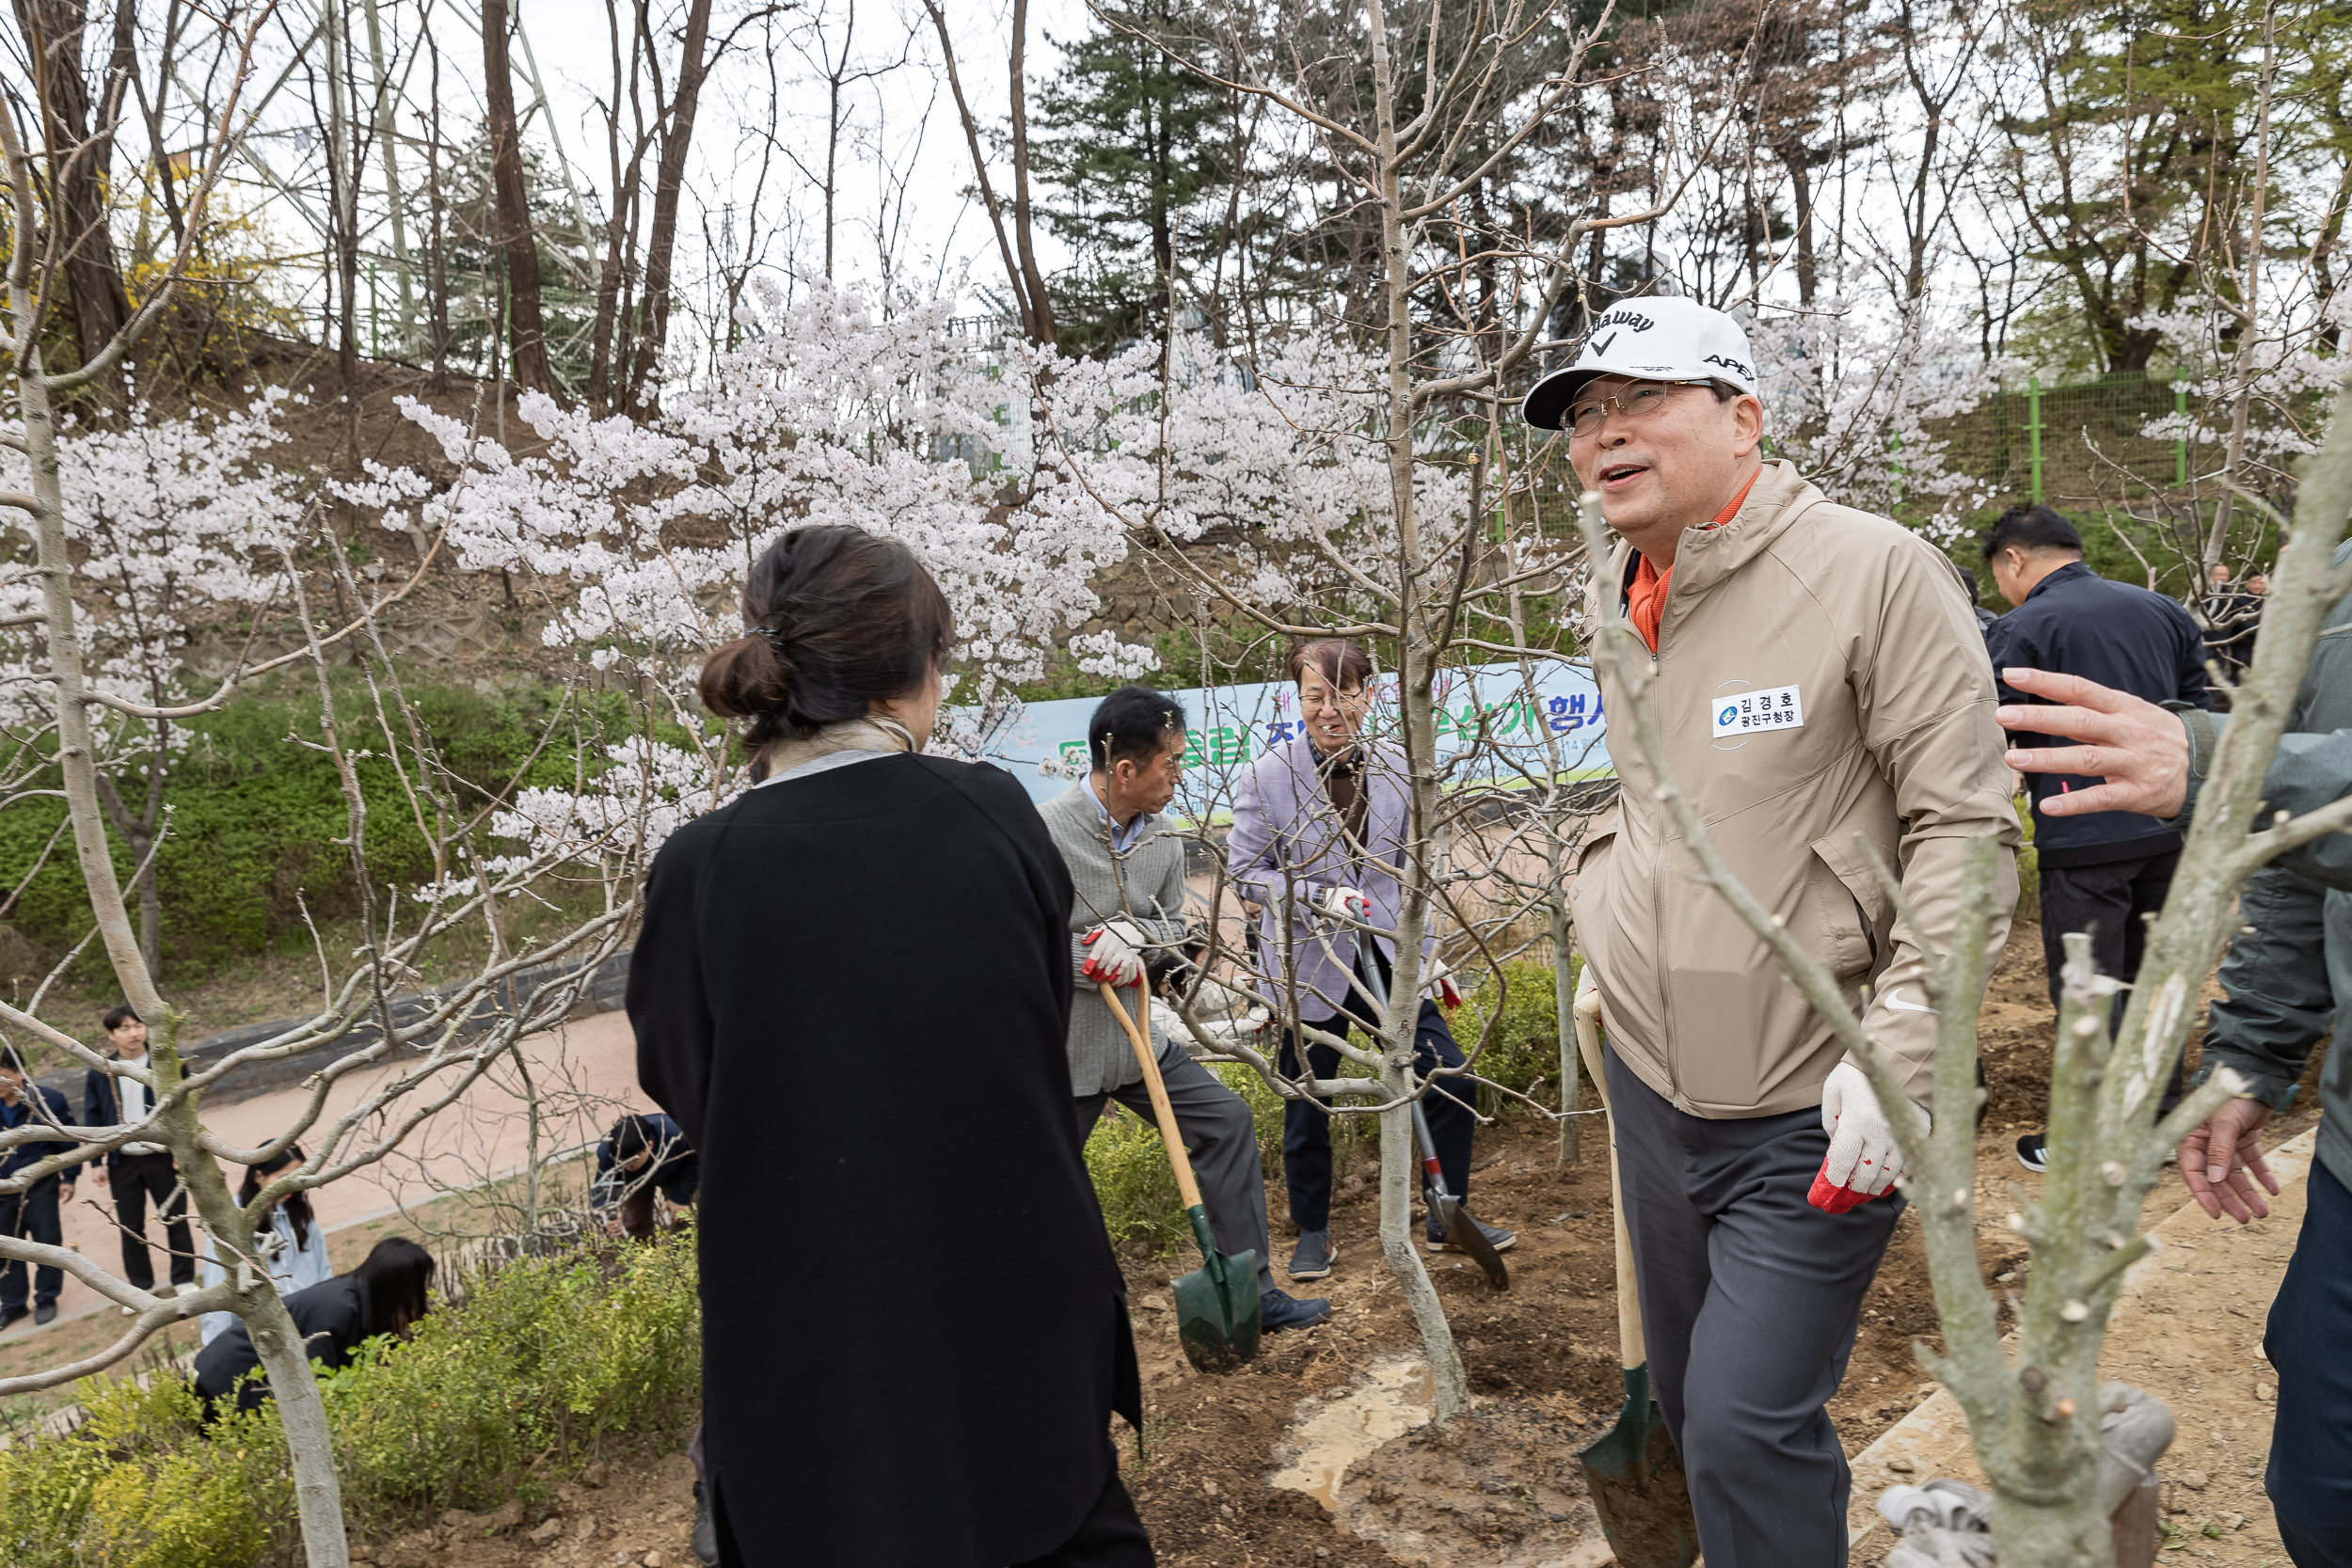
1288 845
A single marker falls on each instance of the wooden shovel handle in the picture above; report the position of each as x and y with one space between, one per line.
1161 1109
1632 1351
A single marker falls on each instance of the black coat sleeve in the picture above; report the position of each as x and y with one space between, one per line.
2010 646
667 1005
2194 685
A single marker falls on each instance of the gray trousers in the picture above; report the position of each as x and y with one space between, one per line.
1215 1123
1750 1300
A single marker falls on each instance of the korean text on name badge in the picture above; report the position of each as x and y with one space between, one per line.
1749 712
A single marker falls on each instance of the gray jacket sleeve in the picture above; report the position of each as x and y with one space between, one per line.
2311 769
2280 1003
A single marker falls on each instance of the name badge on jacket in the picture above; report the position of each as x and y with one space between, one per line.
1782 707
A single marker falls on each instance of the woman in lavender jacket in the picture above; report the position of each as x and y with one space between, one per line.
1320 824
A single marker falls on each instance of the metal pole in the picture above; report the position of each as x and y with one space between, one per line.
2033 431
2179 442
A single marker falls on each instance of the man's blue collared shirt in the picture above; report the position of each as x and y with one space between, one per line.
1123 839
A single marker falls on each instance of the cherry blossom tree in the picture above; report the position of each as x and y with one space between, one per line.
830 411
176 523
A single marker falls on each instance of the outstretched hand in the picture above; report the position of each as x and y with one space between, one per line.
2138 749
2222 1159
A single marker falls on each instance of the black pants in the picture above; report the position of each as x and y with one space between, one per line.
1306 1130
2109 900
2310 1476
1110 1536
1750 1300
136 1178
31 1217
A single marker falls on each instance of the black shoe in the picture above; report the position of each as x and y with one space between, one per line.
45 1314
1497 1238
1314 1254
12 1317
2033 1152
705 1530
1277 1312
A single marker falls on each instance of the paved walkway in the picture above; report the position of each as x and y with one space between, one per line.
585 1073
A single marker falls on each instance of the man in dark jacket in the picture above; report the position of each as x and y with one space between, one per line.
2104 874
138 1171
2288 973
32 1214
642 1155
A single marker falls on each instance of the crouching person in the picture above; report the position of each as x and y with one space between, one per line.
1127 868
643 1155
387 1294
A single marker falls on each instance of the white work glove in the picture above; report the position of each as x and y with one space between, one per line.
1863 1160
1346 902
1114 954
1437 983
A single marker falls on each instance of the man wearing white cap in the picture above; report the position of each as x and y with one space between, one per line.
1816 680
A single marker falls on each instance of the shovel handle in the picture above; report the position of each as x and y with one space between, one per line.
1161 1110
1632 1351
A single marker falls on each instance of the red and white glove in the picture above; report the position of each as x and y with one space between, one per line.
1437 984
1346 902
1114 954
1863 1160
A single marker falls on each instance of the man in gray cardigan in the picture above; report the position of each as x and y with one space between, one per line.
1127 921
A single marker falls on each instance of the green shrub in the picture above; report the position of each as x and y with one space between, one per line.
543 1368
255 818
139 1486
1137 1188
1524 1050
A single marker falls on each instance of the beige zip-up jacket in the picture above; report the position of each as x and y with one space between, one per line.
1819 676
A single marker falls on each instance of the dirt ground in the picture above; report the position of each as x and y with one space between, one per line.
1503 1490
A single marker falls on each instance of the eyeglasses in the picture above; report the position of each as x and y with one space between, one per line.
1634 402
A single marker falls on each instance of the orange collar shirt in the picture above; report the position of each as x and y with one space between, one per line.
1645 596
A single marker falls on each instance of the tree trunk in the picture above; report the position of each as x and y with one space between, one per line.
677 134
525 325
76 174
309 1443
1032 279
1415 672
437 255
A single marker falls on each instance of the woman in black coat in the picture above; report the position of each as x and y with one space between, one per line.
914 1333
386 1294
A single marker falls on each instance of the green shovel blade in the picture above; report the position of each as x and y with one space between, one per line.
1216 1305
1637 1486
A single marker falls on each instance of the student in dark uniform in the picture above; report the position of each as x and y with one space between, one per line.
922 1327
139 1172
386 1294
642 1155
32 1214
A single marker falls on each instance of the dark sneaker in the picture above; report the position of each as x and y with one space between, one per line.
45 1314
2033 1152
12 1317
1497 1238
705 1530
1277 1312
1313 1256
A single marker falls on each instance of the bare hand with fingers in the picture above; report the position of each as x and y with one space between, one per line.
2222 1159
2139 749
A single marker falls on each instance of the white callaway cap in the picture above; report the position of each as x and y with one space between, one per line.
1651 338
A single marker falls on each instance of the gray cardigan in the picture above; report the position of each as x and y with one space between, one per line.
1146 885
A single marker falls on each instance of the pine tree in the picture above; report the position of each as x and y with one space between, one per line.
1141 154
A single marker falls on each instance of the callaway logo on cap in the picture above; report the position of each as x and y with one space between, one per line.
1651 340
